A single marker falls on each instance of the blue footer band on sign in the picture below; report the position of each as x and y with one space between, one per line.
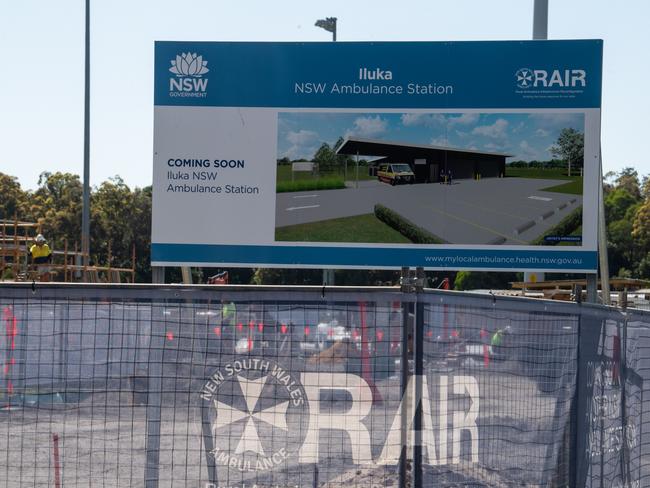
318 256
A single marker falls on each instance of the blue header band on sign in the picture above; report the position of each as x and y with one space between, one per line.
358 257
478 75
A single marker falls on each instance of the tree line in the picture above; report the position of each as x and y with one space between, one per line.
121 218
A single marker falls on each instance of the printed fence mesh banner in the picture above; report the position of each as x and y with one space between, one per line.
303 387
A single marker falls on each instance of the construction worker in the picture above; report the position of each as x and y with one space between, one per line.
41 254
497 342
40 251
228 312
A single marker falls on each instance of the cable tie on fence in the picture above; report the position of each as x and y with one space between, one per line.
322 293
494 297
33 286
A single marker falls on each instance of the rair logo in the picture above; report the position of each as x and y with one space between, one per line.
557 78
189 69
257 416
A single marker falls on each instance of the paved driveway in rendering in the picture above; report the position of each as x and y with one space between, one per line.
488 211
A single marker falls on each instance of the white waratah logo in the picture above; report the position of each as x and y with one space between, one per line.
189 64
524 77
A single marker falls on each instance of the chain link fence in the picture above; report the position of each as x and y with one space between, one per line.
303 387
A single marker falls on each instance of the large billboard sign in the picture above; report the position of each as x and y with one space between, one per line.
458 155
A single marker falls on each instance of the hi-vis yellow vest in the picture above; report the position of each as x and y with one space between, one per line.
40 251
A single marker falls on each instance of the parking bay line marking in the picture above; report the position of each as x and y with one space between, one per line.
492 231
543 199
290 209
305 196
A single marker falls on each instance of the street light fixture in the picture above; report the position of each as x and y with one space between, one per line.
329 24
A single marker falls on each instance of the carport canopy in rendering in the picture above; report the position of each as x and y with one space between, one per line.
429 163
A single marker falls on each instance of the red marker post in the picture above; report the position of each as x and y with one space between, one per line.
57 464
366 372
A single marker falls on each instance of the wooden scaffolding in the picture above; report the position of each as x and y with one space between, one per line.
16 238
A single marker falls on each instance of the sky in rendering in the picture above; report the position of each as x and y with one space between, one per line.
525 136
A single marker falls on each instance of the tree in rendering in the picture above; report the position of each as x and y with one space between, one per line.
570 146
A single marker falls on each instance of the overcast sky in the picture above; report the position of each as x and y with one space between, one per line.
41 82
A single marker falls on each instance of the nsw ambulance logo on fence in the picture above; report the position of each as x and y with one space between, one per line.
189 81
256 409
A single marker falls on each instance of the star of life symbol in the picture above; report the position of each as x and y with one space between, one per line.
250 431
524 77
274 416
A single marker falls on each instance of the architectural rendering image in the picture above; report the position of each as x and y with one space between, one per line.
430 178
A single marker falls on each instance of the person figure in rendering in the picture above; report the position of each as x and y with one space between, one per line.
41 254
449 177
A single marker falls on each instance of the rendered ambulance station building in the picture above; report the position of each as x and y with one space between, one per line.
430 164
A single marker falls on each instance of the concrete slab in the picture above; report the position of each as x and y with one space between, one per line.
488 211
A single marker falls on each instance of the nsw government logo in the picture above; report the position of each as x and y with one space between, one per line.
258 414
189 69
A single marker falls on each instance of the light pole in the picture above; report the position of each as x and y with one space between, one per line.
540 19
85 215
329 24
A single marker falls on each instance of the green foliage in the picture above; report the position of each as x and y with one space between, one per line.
550 164
266 276
641 225
570 146
644 266
539 172
565 227
628 179
284 174
572 187
483 280
617 202
119 216
12 198
342 277
331 183
122 218
57 205
408 229
327 158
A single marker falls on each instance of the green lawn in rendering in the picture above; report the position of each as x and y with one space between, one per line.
572 186
360 228
284 173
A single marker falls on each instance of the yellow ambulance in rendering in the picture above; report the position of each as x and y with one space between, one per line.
395 173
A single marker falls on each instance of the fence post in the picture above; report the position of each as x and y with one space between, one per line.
625 451
418 345
575 411
412 334
405 282
154 398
